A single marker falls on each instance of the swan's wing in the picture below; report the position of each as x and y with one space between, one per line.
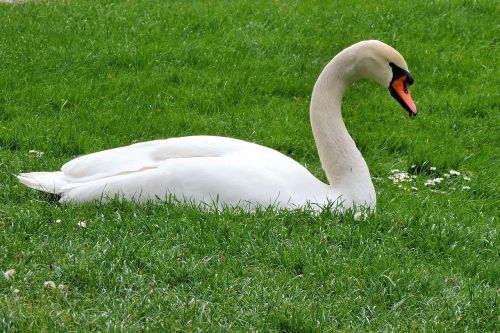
148 155
203 169
247 176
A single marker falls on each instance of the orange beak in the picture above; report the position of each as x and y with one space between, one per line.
400 90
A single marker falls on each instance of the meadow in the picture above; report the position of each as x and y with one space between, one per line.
82 76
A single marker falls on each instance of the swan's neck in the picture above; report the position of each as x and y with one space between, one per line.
344 166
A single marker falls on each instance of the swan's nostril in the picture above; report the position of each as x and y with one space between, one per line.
405 87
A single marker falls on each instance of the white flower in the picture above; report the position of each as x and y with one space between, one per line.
15 291
57 221
36 153
63 287
9 275
429 182
454 173
433 181
82 224
394 170
49 284
358 216
447 175
466 178
401 177
414 188
465 187
433 168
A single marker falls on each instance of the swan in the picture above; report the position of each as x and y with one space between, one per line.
231 172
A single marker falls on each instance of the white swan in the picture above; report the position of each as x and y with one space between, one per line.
238 173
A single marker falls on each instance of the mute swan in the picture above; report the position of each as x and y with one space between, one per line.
232 172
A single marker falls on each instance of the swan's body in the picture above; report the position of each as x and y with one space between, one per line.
233 172
199 168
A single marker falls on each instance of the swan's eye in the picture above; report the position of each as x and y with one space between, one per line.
398 73
409 79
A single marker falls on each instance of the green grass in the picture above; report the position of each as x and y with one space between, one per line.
82 76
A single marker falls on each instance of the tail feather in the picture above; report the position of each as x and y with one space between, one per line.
51 182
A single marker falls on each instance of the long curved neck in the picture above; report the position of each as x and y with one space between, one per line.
341 160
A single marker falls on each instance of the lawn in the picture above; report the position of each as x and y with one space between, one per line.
82 76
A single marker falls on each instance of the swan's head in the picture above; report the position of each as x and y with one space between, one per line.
378 61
